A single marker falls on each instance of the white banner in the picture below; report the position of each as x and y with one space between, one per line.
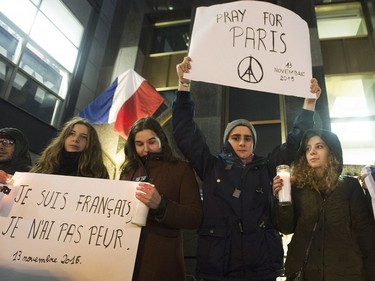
252 45
67 228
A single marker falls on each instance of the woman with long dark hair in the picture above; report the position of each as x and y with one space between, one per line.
75 151
169 188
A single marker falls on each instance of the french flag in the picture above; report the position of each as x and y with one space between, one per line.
129 98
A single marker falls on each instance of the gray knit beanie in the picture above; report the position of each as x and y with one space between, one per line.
240 122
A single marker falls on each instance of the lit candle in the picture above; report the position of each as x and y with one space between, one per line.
284 194
140 214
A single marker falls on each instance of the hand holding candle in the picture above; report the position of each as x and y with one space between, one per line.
285 198
4 177
144 194
148 197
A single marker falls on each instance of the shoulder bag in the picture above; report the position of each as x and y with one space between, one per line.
299 275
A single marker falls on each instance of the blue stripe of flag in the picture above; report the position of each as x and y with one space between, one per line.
97 112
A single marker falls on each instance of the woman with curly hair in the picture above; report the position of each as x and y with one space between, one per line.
169 188
75 151
330 218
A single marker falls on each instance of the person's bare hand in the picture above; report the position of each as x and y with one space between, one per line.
183 67
315 88
309 103
3 177
148 194
277 185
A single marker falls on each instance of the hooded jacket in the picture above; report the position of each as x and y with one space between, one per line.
237 240
329 138
343 244
21 160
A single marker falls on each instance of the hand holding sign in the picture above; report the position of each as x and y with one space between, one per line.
185 67
182 68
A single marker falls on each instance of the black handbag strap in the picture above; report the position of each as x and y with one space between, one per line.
312 237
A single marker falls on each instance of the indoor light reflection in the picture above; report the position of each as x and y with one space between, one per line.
56 44
22 17
357 140
351 101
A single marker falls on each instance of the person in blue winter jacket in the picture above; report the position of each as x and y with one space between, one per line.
236 240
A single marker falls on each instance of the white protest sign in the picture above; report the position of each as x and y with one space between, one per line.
251 45
67 228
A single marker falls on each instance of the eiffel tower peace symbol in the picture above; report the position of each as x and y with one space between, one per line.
250 70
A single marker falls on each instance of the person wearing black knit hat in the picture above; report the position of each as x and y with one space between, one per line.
237 240
330 218
14 153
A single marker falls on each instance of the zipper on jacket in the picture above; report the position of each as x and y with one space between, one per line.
240 226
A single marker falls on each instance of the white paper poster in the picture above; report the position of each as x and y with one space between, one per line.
252 45
67 228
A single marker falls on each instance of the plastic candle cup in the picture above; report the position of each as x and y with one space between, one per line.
284 194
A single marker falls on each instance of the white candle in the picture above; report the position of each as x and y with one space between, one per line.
140 214
284 194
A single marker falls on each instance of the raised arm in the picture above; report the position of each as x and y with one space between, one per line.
181 68
309 104
285 153
187 135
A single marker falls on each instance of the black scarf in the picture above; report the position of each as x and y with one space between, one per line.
68 164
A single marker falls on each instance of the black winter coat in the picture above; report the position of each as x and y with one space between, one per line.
343 247
237 240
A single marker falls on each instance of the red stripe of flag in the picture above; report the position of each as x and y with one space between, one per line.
143 103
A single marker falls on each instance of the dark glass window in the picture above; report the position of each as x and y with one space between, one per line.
170 38
4 69
8 43
43 72
28 95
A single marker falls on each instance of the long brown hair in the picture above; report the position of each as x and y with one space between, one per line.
90 162
305 175
131 156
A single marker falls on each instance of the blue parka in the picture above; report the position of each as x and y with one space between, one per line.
237 240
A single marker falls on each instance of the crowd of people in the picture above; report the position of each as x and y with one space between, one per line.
239 221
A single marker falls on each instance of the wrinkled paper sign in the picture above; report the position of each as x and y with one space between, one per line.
252 45
67 228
